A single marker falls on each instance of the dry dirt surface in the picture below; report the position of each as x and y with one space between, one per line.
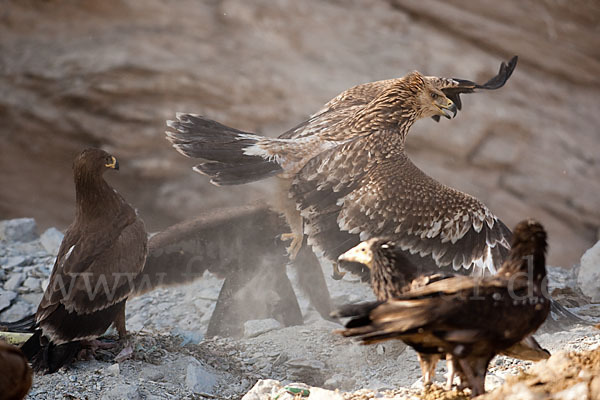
571 374
173 360
109 73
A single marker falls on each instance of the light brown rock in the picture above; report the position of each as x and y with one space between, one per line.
110 73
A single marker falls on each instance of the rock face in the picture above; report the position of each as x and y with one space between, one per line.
51 240
199 379
24 264
18 230
110 73
588 279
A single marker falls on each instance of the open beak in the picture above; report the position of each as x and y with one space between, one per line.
448 108
114 164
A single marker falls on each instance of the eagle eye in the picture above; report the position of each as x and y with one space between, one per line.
434 96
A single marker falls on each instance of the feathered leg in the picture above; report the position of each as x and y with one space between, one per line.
89 347
454 370
312 280
119 323
451 372
287 207
428 364
475 370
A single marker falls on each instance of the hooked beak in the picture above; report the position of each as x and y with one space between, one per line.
448 108
358 254
114 164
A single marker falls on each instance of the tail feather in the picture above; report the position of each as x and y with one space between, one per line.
46 357
24 325
197 137
359 310
560 318
222 174
32 346
377 321
56 356
527 349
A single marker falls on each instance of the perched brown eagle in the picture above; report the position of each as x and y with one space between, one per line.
344 175
103 251
15 374
393 275
470 319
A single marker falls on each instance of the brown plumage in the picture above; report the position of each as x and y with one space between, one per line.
470 319
241 245
392 275
391 272
103 251
15 374
344 176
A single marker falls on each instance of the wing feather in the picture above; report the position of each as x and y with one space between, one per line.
95 270
391 197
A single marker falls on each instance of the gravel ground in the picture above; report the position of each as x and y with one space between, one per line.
173 360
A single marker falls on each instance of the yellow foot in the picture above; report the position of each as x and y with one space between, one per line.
337 274
295 246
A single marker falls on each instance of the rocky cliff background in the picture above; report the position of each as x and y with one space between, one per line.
109 73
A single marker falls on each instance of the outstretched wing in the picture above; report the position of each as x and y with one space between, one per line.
346 196
220 241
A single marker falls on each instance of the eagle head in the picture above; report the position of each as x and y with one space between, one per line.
529 236
94 161
429 101
361 253
369 251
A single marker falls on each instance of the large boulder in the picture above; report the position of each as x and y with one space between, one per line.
18 230
588 278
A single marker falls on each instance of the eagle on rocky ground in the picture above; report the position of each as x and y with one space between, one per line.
101 255
344 176
392 275
467 319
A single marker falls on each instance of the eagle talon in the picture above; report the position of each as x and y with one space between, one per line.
294 248
125 353
337 274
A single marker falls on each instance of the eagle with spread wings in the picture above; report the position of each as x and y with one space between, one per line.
344 175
